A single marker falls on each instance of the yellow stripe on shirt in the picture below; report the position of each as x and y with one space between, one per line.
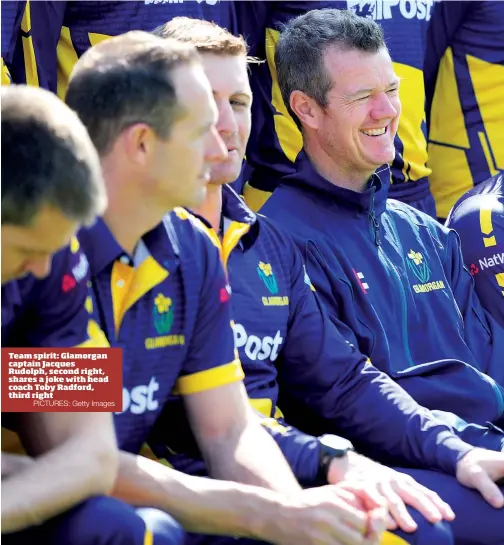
210 378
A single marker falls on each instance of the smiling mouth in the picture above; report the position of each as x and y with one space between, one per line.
374 132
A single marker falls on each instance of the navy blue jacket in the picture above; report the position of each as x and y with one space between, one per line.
395 285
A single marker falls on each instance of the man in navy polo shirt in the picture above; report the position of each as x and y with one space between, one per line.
52 183
160 292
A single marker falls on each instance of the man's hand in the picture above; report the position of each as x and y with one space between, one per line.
481 469
394 488
328 515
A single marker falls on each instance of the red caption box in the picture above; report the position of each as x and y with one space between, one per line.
61 380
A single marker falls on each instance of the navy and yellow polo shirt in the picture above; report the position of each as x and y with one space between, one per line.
48 38
478 218
50 312
167 307
464 79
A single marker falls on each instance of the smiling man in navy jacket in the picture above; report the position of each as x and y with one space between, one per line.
392 278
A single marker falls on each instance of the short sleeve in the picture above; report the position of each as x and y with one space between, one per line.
212 359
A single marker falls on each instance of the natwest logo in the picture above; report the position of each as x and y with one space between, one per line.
488 262
140 399
256 348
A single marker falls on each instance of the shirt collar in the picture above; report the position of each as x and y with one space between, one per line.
102 249
235 212
375 195
100 246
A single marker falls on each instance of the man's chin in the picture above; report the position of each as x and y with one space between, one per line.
219 182
221 179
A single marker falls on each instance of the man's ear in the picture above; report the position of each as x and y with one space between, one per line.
305 108
138 141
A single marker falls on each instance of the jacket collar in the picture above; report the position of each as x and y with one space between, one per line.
234 208
374 197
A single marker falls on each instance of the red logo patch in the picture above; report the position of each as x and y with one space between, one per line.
360 279
68 283
225 294
473 269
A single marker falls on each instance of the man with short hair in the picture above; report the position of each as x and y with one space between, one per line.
44 145
276 140
391 278
283 336
51 185
385 263
160 292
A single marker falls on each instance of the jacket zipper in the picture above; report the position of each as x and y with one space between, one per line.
375 230
375 226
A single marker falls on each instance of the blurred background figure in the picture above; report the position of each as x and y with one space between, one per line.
478 218
464 80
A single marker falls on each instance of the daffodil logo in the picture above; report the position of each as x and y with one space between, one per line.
267 275
163 314
418 266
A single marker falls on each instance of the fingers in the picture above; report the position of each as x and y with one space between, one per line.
332 527
397 508
374 503
391 523
378 522
420 501
346 492
355 518
487 488
367 493
445 510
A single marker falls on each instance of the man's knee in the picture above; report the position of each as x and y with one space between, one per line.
165 530
107 521
469 507
426 534
121 524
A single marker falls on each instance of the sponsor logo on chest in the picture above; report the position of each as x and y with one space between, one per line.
141 398
381 10
257 348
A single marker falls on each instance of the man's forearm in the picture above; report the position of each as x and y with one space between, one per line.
250 456
54 482
14 463
201 505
